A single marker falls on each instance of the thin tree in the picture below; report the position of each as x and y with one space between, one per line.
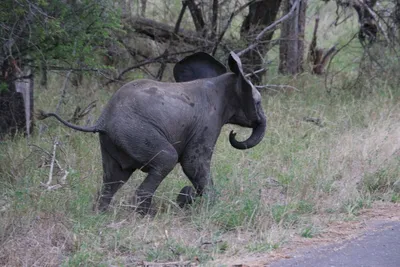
291 48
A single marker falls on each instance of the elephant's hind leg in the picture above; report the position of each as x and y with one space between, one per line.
113 178
158 167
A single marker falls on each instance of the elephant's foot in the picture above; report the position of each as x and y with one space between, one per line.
186 196
102 203
143 205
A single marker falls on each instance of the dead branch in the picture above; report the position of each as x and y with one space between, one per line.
143 7
214 19
376 18
235 13
53 157
316 121
255 72
63 91
179 20
62 181
168 58
318 57
176 30
197 15
280 86
80 114
164 32
64 87
268 28
328 90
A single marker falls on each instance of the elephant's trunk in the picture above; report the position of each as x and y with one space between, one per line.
255 137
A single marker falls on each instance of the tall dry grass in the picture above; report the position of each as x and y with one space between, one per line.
301 177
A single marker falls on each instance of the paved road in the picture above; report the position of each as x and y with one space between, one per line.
378 248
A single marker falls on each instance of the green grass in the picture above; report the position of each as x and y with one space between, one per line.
300 171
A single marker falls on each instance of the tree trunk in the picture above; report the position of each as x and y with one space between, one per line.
368 28
396 20
197 15
291 49
43 70
143 4
16 100
261 14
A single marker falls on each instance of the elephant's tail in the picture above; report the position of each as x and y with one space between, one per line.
90 129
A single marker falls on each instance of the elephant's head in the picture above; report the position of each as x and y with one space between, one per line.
246 101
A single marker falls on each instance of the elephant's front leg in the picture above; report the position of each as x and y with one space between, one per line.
196 166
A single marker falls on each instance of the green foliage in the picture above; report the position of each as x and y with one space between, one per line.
3 87
61 33
395 198
261 246
352 207
288 215
308 232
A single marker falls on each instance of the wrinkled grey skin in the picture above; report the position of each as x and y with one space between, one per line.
151 126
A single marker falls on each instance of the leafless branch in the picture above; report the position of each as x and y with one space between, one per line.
163 32
62 181
214 19
53 157
63 91
255 72
143 8
64 87
167 58
221 35
376 18
80 114
280 86
166 51
197 16
179 20
316 121
268 28
330 61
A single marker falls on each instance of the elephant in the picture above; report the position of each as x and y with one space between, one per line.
152 126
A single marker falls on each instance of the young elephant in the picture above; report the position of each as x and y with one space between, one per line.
151 126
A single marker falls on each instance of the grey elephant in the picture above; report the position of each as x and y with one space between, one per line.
151 126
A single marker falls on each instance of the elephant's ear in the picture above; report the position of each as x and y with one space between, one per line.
198 66
246 88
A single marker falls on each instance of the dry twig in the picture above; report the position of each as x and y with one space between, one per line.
268 28
53 158
64 87
80 114
280 86
62 180
240 9
376 18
